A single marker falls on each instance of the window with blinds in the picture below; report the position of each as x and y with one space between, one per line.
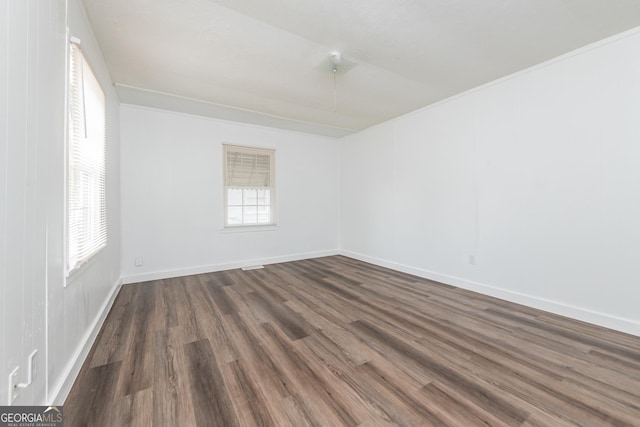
249 186
85 195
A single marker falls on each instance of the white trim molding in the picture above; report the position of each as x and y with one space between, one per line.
187 271
61 390
606 320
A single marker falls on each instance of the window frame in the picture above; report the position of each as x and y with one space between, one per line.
271 152
97 224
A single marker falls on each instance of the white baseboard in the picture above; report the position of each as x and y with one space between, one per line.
71 371
166 274
628 326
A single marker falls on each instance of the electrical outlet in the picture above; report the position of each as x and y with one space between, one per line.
139 262
13 385
33 366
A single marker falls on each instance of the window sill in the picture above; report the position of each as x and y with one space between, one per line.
248 229
83 266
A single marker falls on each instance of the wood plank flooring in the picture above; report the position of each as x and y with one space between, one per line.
337 342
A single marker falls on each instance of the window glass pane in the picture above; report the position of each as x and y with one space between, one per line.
250 210
234 197
264 215
250 215
234 215
250 197
264 197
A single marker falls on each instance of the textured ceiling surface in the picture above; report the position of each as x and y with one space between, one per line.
265 61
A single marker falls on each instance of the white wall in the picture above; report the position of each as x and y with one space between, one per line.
537 176
38 312
172 208
22 272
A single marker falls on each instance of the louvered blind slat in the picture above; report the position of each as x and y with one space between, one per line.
248 167
86 207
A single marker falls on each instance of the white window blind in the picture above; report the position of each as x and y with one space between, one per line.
249 183
86 210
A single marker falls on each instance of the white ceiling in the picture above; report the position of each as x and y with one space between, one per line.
258 60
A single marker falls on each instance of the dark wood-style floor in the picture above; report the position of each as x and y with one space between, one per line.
337 342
